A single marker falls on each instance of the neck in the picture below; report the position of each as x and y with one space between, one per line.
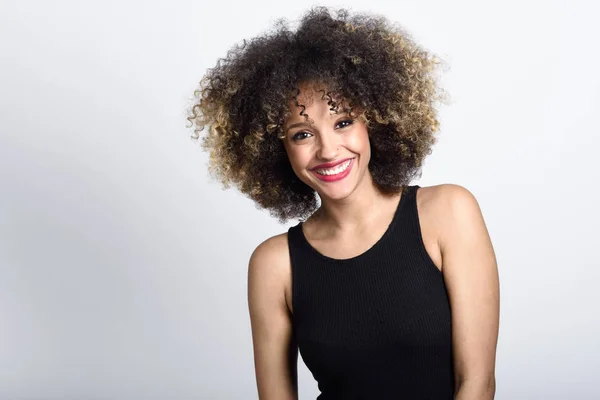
357 210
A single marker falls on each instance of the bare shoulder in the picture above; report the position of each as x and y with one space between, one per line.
447 197
452 208
442 210
269 267
275 248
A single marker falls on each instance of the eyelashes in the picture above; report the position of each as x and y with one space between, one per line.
350 122
344 124
297 137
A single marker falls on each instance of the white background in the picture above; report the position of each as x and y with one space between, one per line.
123 267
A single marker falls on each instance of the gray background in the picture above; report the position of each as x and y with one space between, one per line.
123 267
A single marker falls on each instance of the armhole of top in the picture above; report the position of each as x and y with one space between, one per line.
419 232
292 241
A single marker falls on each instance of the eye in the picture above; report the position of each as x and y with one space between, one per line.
299 135
345 123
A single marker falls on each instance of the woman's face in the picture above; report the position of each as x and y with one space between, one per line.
329 152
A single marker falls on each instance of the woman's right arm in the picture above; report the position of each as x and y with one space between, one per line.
275 352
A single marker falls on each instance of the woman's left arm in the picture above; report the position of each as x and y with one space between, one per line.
471 276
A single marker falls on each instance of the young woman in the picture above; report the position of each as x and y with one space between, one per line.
388 290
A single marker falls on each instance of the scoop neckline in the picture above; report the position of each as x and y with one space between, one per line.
405 192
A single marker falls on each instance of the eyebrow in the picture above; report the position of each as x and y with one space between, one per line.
297 124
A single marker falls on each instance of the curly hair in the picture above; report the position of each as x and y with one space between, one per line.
372 64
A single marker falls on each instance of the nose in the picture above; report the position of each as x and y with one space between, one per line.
328 146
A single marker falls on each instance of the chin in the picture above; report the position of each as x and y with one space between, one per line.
335 196
336 191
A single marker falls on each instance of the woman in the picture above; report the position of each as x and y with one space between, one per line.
388 290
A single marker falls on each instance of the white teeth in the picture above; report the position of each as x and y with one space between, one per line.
334 171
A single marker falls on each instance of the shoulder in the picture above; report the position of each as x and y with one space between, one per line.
435 205
269 268
271 251
455 209
447 198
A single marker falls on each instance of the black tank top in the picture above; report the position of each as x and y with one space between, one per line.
378 325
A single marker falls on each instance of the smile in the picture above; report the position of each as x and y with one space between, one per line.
336 173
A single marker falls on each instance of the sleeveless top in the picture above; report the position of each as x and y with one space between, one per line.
378 325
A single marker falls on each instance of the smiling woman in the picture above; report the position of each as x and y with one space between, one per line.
387 289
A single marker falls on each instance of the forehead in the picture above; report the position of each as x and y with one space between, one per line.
315 96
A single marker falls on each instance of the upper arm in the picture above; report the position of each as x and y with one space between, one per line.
275 353
471 276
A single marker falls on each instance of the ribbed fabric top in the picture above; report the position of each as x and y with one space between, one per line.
378 325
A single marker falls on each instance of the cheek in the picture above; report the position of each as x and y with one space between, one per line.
359 143
298 158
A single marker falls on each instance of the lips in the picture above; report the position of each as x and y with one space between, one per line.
330 164
339 176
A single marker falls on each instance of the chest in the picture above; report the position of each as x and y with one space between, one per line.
392 317
388 302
